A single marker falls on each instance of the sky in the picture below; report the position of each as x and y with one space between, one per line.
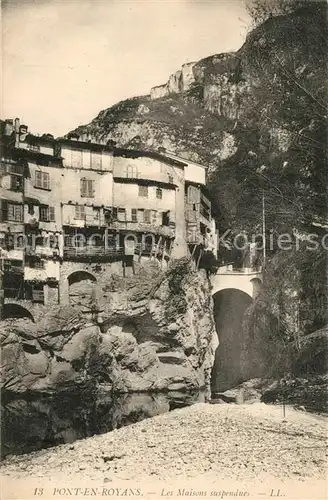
66 60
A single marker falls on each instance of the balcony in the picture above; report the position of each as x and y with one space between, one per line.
93 253
86 221
42 251
142 227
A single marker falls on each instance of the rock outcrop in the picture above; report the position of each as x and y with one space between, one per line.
157 334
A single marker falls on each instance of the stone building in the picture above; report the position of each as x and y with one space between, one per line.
73 213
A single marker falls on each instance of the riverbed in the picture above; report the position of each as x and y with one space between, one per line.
249 444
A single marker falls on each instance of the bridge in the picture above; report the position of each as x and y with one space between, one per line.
248 280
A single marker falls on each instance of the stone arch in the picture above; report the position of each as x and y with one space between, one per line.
16 311
228 369
77 276
81 288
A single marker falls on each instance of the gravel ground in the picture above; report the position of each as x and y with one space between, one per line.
245 443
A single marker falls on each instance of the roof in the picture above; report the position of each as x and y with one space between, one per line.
136 153
40 139
174 156
85 145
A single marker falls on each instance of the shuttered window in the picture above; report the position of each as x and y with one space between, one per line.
42 180
121 214
52 214
134 217
14 212
79 212
87 188
47 214
147 216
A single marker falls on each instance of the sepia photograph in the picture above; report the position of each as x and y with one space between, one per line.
164 249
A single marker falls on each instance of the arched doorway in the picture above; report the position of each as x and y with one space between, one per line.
229 310
16 311
81 289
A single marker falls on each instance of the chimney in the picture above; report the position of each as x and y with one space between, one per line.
9 127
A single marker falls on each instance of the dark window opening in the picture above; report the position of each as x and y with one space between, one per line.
134 216
16 183
166 219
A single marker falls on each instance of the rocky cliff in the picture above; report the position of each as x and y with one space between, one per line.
258 119
260 106
157 335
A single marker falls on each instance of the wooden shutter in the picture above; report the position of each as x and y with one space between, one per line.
46 180
134 215
38 178
4 210
52 214
147 216
19 213
83 188
90 189
121 214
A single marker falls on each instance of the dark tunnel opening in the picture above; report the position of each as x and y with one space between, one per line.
229 310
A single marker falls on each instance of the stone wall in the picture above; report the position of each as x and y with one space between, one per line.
154 332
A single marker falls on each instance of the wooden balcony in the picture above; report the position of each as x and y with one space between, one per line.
42 251
142 227
96 253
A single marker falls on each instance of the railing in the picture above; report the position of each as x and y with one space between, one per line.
44 251
230 269
168 231
113 252
93 251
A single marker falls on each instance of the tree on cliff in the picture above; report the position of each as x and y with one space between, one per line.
261 10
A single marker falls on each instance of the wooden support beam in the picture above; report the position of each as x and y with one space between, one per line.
200 256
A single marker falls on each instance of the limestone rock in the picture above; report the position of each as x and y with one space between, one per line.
156 335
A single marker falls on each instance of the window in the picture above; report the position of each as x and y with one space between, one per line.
47 214
159 193
134 216
170 179
15 212
37 264
34 147
79 212
166 218
96 161
38 294
87 188
131 171
143 191
76 158
16 183
147 216
42 180
154 217
121 214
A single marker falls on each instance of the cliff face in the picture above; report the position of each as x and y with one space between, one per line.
258 106
157 334
258 119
